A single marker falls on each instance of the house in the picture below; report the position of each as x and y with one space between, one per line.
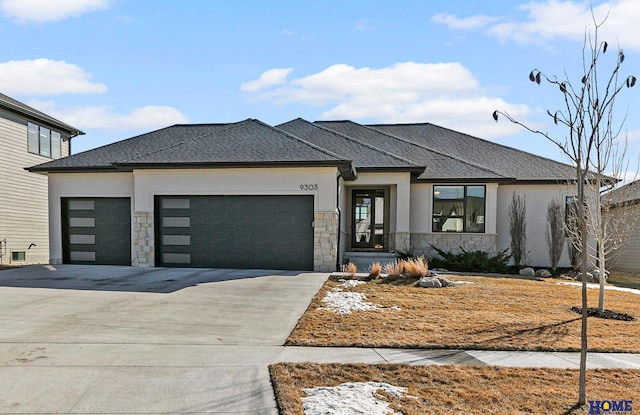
29 137
301 195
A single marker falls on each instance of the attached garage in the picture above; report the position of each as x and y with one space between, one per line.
261 231
96 231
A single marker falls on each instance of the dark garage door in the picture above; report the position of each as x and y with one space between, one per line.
96 231
269 232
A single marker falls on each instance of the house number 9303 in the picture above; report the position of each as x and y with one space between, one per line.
308 187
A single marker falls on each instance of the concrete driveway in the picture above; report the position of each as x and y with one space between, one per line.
94 339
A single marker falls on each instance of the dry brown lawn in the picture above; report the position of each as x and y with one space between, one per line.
460 389
491 314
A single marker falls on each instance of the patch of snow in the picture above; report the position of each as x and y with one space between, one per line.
463 282
606 287
351 283
343 302
350 398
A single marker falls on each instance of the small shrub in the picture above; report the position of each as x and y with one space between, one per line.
475 261
374 270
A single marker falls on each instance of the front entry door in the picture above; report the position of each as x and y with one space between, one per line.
368 227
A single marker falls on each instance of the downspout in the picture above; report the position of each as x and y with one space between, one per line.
69 140
339 221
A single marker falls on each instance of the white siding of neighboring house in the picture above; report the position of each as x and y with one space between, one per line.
537 198
627 258
23 196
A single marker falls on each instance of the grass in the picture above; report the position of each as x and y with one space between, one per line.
489 314
459 389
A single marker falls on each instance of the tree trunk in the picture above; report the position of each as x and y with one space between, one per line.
582 383
603 277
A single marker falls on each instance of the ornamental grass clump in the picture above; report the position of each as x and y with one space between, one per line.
415 267
394 269
350 269
374 270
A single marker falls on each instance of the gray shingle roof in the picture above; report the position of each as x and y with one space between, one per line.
436 153
363 155
439 166
503 160
16 106
627 193
246 143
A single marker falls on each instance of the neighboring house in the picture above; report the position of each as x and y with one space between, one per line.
624 204
28 137
301 195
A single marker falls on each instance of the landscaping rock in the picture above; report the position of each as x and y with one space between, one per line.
527 272
596 274
430 282
445 282
543 273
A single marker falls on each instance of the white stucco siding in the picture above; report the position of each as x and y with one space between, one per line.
537 199
63 185
320 182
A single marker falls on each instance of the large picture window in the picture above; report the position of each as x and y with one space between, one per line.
459 209
43 141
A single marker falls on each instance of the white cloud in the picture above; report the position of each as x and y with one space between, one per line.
149 117
40 11
551 19
46 77
446 94
267 79
454 22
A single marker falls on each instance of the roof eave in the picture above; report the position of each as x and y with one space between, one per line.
346 167
52 122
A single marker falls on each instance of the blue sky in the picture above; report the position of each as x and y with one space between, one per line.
118 68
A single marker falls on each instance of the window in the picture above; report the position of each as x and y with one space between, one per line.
33 137
56 143
43 141
458 209
17 256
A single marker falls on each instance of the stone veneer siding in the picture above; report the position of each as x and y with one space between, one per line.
143 240
399 241
325 241
421 242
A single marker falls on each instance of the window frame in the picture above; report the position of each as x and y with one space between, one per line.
464 202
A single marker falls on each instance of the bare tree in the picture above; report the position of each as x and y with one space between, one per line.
554 232
587 113
518 228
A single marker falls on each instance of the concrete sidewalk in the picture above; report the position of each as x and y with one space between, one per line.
563 360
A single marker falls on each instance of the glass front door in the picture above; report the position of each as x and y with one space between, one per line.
368 230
